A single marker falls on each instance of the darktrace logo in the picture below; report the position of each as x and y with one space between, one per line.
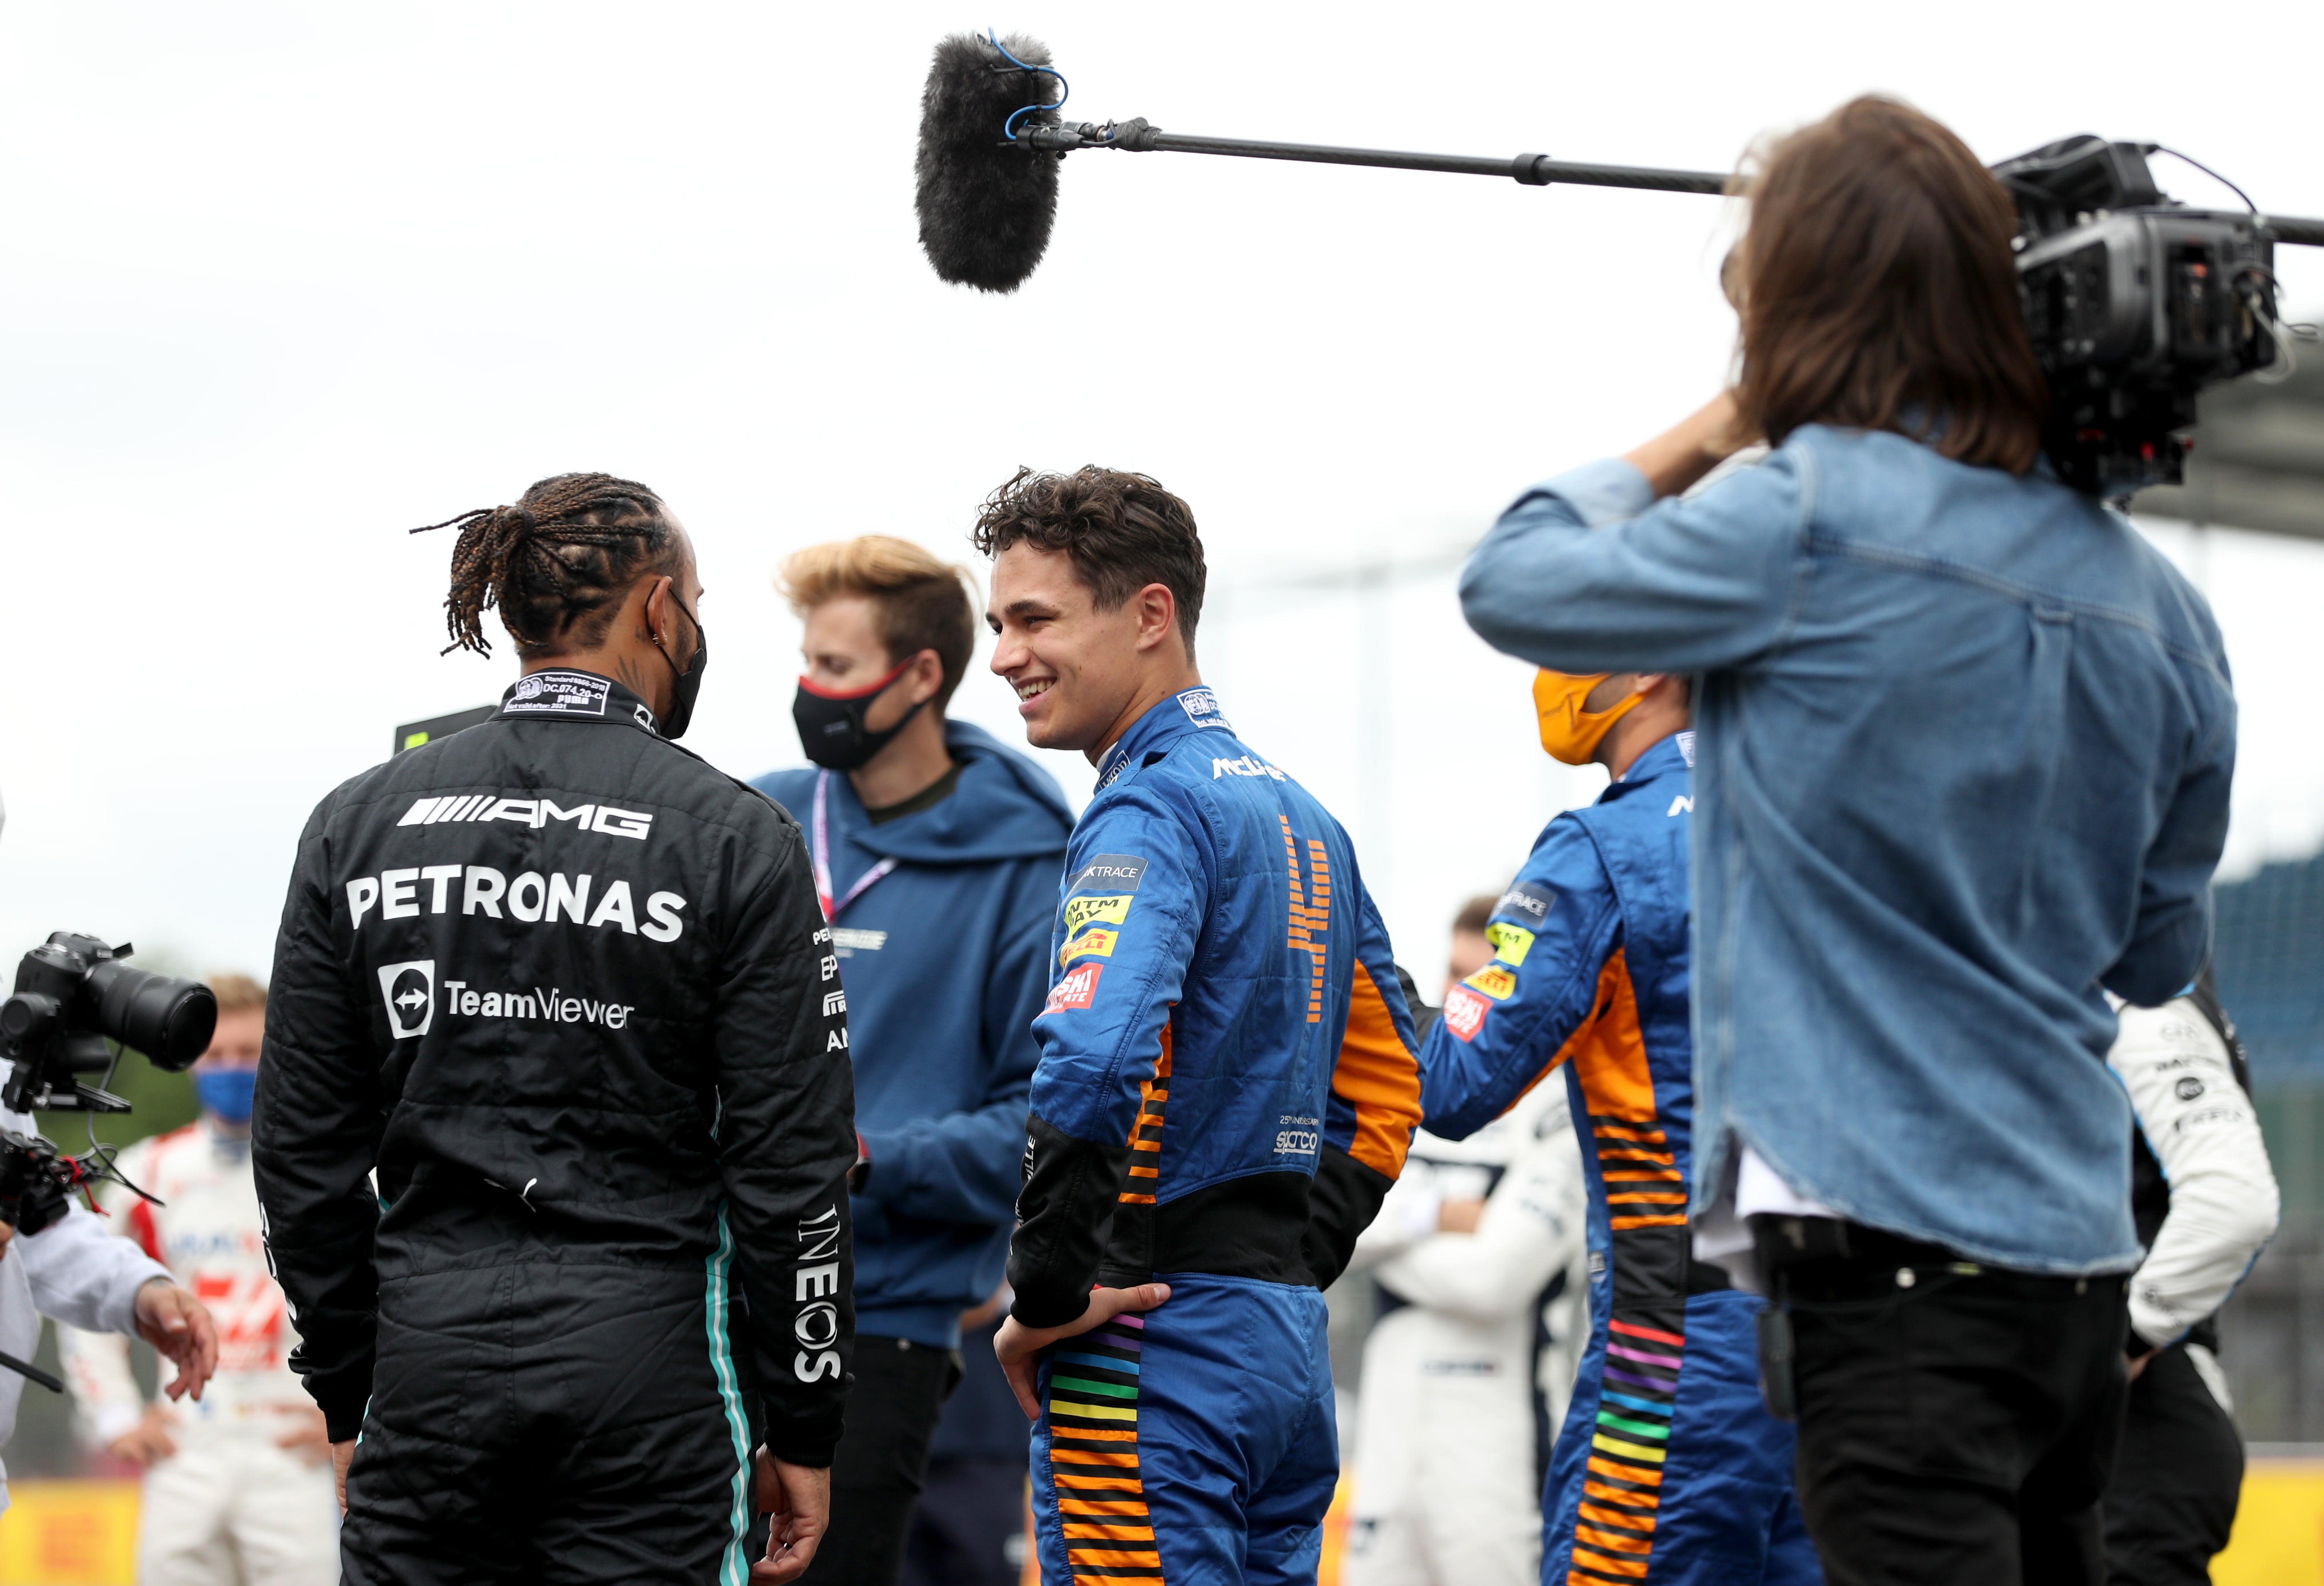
408 990
1529 904
1108 873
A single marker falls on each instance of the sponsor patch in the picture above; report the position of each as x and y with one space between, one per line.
409 990
1075 990
852 942
1493 981
1085 911
1510 943
1297 1136
572 693
1202 708
1248 765
547 1004
1464 1012
1111 872
1529 904
1090 944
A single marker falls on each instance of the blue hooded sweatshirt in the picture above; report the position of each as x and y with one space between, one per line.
945 963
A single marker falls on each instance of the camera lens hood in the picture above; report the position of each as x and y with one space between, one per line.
170 1020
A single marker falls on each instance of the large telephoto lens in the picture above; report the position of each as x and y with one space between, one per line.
169 1019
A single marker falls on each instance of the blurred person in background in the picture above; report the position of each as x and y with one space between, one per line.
969 1527
2205 1204
1471 948
1669 1469
238 1489
1967 742
936 852
1484 1312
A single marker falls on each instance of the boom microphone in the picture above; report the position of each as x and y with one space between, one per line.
986 203
2136 303
991 140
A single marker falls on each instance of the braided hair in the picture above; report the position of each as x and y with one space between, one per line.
558 563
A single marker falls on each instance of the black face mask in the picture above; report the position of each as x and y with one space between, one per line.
831 726
686 686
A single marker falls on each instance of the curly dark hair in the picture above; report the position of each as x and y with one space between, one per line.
1123 530
557 562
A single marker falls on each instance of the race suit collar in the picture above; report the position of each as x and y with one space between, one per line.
571 693
1192 711
1674 753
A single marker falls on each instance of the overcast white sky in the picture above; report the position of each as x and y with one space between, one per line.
277 282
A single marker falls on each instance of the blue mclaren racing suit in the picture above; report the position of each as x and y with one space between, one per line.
1669 1469
1227 1086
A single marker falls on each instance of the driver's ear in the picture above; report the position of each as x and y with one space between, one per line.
658 608
1158 613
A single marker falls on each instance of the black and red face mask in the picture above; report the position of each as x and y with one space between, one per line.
831 724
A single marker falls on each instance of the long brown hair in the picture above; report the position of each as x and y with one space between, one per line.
1877 290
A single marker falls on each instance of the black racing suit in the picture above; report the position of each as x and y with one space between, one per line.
568 990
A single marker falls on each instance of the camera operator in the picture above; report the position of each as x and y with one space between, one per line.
1965 744
240 1491
74 1272
568 990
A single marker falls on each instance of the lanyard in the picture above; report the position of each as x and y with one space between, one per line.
823 857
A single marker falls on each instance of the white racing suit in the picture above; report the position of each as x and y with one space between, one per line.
232 1507
1465 1380
2205 1204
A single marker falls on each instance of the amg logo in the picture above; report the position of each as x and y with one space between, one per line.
440 809
549 1007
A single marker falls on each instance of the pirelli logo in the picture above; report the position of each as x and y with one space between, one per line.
443 809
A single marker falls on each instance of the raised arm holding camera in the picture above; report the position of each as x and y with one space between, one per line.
1965 741
566 990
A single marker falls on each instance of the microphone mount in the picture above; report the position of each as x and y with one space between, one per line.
1138 136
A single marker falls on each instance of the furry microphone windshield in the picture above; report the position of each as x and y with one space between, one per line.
986 202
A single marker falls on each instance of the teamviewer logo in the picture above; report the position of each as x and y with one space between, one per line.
409 992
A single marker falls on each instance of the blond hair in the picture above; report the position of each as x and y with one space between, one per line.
919 603
237 993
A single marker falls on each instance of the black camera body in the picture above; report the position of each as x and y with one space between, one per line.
73 995
37 1181
2136 305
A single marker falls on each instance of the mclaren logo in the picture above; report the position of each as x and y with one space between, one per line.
409 990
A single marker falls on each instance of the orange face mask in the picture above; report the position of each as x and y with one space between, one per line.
1568 732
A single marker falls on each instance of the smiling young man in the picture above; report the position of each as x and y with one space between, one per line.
936 852
1227 1084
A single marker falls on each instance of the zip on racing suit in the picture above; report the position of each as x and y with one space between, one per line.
232 1507
1669 1468
1226 1091
569 990
2206 1202
1469 1369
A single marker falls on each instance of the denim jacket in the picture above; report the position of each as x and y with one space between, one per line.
1964 747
